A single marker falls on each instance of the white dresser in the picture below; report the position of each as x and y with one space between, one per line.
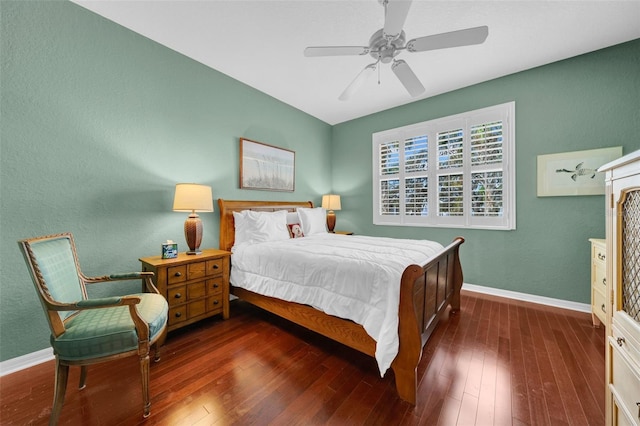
623 274
598 281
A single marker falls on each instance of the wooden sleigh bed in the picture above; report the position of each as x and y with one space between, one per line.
425 293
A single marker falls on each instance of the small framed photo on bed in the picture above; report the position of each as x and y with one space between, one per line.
266 167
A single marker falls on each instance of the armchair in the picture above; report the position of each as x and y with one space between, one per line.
87 331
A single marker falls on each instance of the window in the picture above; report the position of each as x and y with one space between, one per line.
456 171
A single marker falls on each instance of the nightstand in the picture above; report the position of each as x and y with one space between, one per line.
195 286
342 232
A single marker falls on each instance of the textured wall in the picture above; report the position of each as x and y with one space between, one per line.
98 124
590 101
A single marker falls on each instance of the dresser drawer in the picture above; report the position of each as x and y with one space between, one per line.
177 295
599 255
215 285
176 274
625 384
196 270
196 290
599 305
215 266
177 314
600 277
215 303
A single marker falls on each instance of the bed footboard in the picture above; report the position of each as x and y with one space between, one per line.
425 293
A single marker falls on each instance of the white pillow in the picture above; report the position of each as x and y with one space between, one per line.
292 217
314 221
242 227
255 226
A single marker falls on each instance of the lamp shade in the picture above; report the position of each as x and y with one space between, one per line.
191 197
331 202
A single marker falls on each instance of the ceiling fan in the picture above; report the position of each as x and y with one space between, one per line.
386 43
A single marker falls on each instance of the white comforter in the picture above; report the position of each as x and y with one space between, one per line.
353 277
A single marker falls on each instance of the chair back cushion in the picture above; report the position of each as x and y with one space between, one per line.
55 259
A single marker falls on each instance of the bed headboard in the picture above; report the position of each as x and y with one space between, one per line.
227 207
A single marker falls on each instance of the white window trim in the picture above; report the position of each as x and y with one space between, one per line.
504 112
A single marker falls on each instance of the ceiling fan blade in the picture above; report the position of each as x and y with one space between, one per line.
394 17
335 51
407 77
358 81
470 36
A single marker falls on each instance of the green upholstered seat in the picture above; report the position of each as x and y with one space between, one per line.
86 331
96 333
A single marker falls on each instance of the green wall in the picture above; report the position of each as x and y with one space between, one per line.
98 125
590 101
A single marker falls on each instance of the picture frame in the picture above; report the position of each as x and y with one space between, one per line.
266 167
574 173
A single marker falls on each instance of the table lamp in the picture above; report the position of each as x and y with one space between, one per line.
191 197
331 202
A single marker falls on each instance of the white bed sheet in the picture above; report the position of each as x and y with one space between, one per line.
353 277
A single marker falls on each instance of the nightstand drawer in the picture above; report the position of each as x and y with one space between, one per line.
196 270
178 314
196 290
197 308
215 286
177 274
215 303
215 266
177 295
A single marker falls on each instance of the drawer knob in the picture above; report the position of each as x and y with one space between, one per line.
178 274
216 285
601 256
604 281
603 308
179 295
215 302
178 314
620 341
216 266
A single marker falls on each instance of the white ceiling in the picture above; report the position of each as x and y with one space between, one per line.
261 42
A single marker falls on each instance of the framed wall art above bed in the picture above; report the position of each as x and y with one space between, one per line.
266 167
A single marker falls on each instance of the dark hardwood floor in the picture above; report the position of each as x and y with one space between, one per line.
497 362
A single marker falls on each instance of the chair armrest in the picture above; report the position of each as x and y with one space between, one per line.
100 302
107 302
146 276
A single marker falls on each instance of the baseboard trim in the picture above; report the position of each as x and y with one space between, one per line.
44 355
542 300
25 361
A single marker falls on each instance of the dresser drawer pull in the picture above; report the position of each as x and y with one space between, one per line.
603 308
177 274
601 256
178 314
216 266
179 295
604 281
215 302
216 285
620 341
